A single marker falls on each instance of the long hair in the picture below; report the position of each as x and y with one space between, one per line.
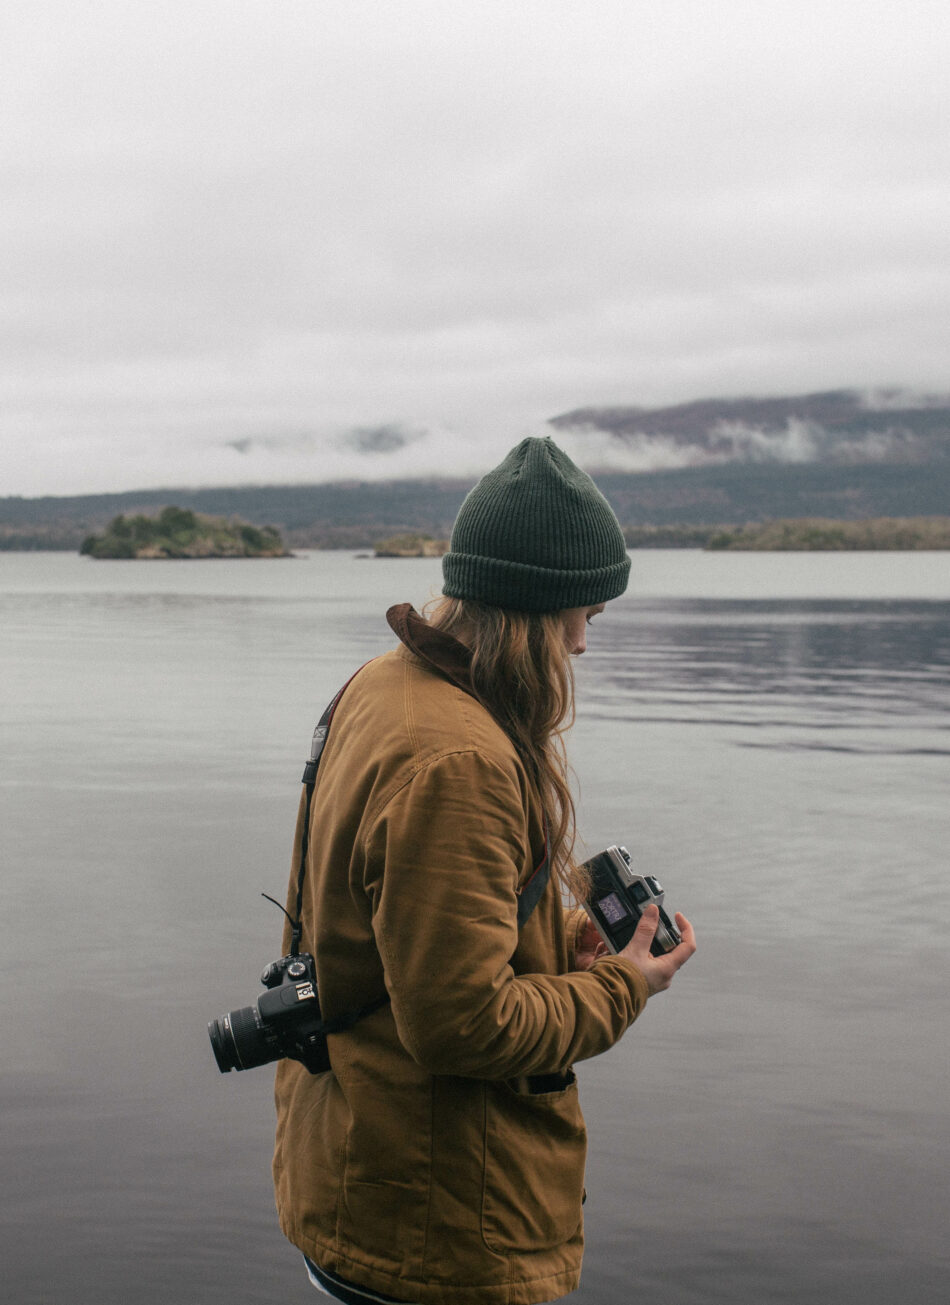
522 673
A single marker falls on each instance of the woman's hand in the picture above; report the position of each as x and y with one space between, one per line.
588 946
658 970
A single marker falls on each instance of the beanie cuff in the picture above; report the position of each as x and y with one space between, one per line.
521 587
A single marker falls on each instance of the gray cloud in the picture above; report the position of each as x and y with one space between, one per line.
373 440
226 223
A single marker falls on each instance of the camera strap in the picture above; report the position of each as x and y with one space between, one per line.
529 894
309 780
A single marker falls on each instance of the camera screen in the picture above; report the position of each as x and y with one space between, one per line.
612 908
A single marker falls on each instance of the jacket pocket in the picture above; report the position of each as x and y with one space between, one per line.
535 1149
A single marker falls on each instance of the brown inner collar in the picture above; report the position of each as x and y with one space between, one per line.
443 652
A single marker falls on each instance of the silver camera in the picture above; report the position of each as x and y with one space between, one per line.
618 897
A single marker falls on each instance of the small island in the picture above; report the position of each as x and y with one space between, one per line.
412 546
894 534
801 535
179 533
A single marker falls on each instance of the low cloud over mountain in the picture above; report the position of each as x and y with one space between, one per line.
363 440
380 439
835 428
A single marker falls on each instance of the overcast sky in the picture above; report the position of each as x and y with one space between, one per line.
240 237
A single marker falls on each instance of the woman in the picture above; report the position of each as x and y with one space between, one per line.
442 1158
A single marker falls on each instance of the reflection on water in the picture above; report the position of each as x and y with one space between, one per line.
768 735
865 676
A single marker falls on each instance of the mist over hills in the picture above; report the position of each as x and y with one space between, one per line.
833 428
840 454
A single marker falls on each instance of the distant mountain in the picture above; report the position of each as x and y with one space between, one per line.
839 455
737 493
351 514
836 428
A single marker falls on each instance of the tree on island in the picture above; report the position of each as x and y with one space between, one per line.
178 533
821 535
412 545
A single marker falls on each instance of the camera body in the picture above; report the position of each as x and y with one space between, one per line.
618 898
285 1023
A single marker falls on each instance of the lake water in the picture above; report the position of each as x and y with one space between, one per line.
769 734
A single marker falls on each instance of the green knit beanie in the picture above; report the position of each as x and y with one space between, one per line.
536 535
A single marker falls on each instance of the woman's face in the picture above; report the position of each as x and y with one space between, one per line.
575 621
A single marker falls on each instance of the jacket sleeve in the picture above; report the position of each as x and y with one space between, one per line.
574 921
442 862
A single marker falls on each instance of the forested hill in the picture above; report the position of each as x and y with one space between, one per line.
336 515
358 515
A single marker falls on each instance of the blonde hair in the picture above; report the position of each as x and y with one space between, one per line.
522 673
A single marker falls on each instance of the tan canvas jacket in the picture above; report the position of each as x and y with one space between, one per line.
424 1165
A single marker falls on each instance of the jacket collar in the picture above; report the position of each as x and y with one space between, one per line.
442 652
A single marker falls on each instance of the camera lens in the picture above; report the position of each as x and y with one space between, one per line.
240 1041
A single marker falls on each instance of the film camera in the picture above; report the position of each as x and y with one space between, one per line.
618 897
286 1022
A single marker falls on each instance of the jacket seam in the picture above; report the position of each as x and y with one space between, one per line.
407 704
421 765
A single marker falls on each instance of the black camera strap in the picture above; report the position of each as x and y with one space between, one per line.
529 894
309 780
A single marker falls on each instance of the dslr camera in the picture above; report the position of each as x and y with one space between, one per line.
618 897
286 1022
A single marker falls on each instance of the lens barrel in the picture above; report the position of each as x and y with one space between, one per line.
240 1041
